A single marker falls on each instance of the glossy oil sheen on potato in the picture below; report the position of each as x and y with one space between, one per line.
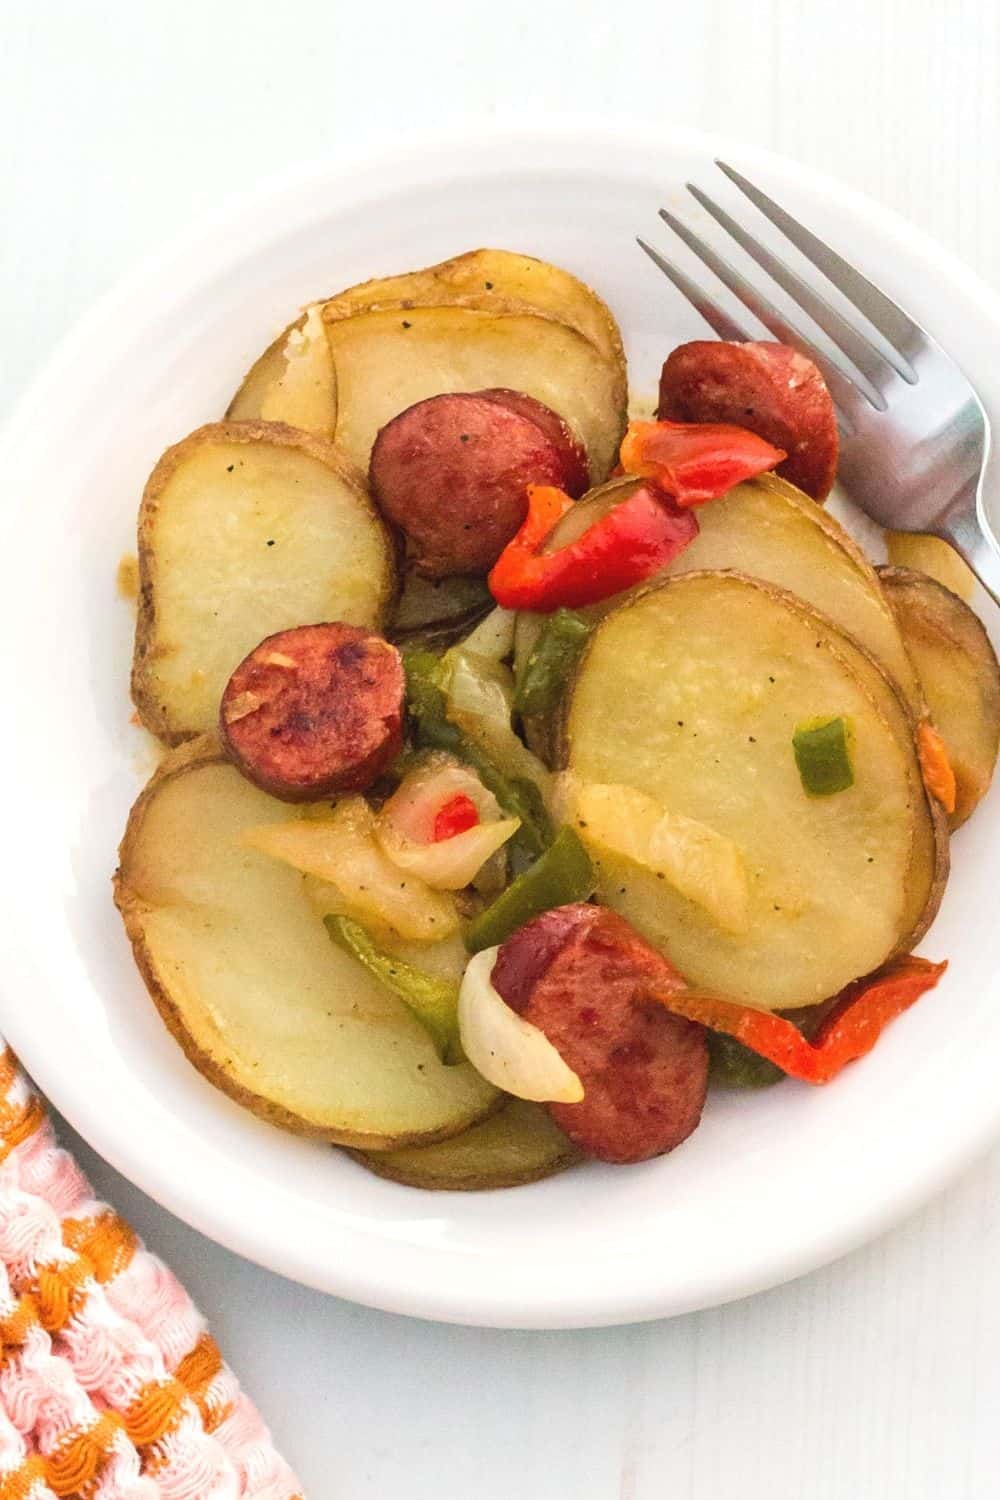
246 529
239 963
691 692
387 359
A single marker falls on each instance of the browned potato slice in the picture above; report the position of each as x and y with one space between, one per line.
246 528
770 530
501 275
958 669
691 692
238 962
388 357
517 1145
292 381
930 555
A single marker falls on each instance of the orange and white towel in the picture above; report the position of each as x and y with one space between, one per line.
110 1387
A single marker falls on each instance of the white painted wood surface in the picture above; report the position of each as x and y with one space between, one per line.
875 1379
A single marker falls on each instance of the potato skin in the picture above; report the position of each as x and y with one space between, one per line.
928 865
277 434
520 1144
934 620
190 756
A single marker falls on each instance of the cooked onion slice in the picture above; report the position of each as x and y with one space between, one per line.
342 850
507 1050
702 865
405 826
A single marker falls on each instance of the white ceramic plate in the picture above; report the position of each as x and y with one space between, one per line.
772 1184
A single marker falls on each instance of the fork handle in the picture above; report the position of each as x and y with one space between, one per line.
969 536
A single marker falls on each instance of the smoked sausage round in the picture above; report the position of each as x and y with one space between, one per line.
579 973
315 710
770 389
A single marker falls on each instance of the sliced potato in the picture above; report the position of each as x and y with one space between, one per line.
386 358
517 1145
931 555
499 275
292 381
960 677
770 530
691 692
246 528
241 969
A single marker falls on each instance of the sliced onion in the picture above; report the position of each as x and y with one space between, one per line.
420 796
342 850
505 1048
449 864
703 866
480 695
405 826
493 637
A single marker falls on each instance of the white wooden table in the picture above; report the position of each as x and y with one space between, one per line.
876 1379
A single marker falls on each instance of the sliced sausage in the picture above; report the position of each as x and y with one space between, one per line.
315 710
576 470
452 472
770 389
579 973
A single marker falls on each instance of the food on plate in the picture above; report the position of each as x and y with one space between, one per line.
245 529
452 473
514 814
387 358
931 555
315 710
242 970
292 381
959 674
692 693
768 529
766 387
581 976
437 611
518 1144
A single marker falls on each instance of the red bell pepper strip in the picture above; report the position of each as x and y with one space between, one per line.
696 461
628 544
849 1030
456 815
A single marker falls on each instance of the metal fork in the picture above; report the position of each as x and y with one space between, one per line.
914 435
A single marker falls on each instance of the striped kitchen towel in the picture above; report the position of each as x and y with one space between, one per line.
110 1387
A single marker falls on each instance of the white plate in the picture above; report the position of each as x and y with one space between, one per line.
771 1185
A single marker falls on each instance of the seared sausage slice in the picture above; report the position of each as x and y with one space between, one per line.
315 710
576 470
770 389
452 472
579 974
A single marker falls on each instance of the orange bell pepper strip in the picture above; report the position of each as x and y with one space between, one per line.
696 461
625 546
849 1030
939 778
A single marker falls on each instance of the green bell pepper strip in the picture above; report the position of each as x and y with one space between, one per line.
823 755
563 874
547 670
433 730
433 1000
733 1066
